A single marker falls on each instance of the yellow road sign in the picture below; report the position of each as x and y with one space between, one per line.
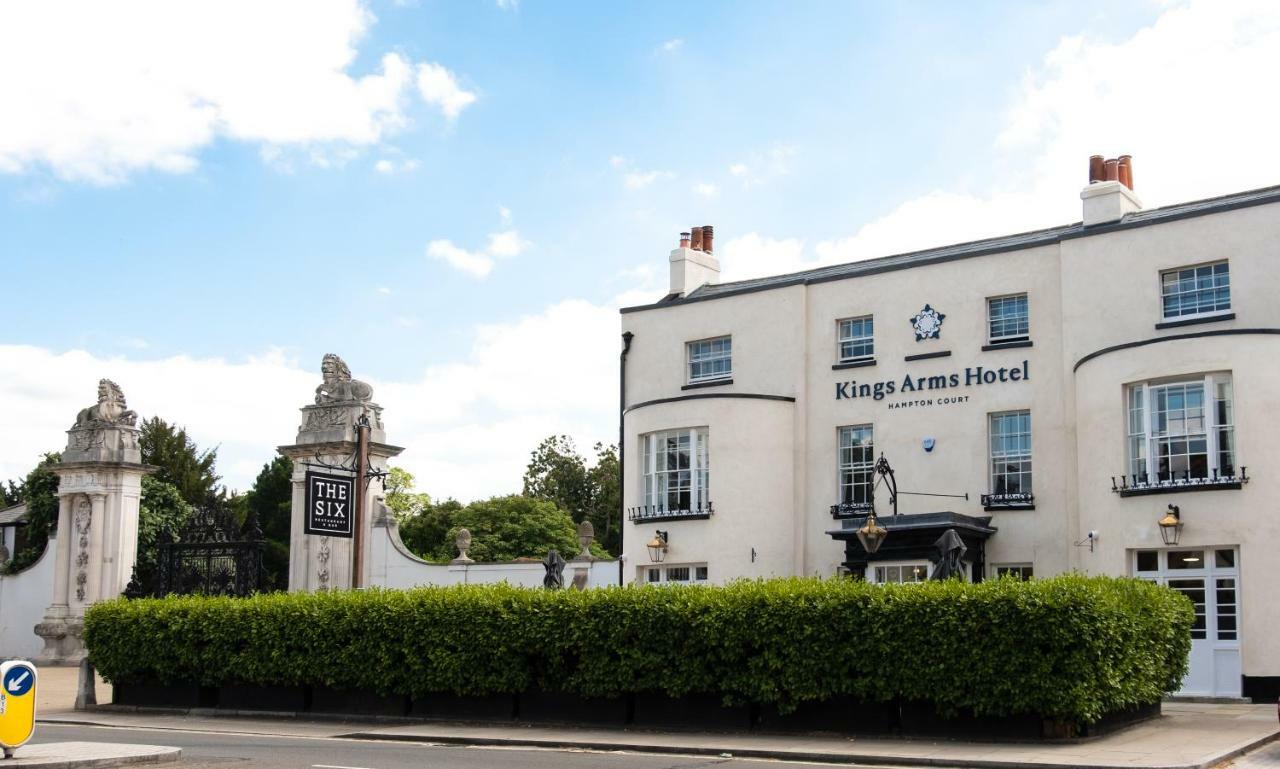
17 703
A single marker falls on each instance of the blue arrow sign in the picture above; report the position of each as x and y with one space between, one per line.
18 680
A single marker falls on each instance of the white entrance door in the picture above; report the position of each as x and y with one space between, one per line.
1210 577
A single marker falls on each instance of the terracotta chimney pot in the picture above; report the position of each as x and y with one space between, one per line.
1112 170
1126 170
1096 168
684 240
708 232
696 244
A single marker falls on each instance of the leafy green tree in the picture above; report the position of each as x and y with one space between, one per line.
161 512
427 531
12 495
514 526
40 492
400 496
271 501
180 462
559 474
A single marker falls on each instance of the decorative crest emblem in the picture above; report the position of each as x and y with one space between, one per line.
927 323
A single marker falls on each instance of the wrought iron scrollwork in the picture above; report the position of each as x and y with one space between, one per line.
212 556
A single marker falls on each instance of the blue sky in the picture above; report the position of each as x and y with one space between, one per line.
476 210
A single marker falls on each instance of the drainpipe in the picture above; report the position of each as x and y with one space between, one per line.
622 452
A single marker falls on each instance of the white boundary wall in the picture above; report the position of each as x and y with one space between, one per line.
392 565
23 598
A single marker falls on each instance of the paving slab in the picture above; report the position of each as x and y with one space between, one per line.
74 755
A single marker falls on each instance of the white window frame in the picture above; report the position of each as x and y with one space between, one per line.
663 571
994 455
868 339
710 357
1020 335
1022 569
854 467
1147 439
655 490
1164 313
886 565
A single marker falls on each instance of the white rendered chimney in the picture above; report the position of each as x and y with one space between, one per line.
1109 195
693 267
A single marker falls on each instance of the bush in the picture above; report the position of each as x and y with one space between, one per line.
1071 648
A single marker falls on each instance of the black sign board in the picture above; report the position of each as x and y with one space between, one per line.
330 504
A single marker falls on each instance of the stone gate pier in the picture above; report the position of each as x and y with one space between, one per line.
96 540
327 439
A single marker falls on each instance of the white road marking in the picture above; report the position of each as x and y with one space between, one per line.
336 766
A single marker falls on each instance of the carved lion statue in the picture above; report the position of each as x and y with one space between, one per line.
110 409
338 385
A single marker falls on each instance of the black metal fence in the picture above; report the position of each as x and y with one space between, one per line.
211 556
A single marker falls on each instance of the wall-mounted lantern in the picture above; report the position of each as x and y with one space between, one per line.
872 534
658 547
1171 526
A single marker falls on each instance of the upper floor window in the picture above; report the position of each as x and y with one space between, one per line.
1008 320
1200 290
856 339
676 472
1181 430
856 466
711 359
1011 454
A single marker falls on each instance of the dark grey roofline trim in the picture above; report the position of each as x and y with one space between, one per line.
700 396
1065 232
1172 338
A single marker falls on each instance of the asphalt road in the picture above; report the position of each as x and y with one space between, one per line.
223 750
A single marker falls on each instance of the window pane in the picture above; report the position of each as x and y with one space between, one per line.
1186 559
1224 559
1011 453
1195 290
856 339
675 470
710 359
1148 560
856 463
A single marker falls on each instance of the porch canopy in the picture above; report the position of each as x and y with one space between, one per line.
912 537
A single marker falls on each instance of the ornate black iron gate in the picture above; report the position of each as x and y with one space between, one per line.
212 557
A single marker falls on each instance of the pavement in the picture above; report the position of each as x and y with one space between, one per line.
1186 736
73 755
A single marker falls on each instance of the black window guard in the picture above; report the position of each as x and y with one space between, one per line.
659 513
1136 485
1016 501
850 510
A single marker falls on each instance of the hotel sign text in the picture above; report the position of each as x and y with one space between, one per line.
973 376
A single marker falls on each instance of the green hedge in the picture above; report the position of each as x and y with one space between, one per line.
1071 648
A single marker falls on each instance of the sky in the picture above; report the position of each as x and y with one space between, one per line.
200 199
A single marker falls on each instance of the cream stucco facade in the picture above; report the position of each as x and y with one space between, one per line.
1097 328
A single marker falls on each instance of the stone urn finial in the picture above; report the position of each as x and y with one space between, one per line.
586 535
462 542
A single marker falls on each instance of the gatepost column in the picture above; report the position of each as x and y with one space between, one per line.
97 531
327 442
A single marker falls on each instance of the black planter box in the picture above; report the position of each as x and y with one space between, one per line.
921 719
357 702
842 715
696 712
553 707
153 695
453 707
288 699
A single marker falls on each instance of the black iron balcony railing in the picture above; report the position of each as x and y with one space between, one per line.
1009 501
850 510
660 513
1170 483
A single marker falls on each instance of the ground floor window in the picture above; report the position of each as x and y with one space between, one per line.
676 471
1022 571
675 573
907 571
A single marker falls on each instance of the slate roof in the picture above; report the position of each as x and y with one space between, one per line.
975 248
13 516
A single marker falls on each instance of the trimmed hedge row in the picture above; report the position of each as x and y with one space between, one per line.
1071 648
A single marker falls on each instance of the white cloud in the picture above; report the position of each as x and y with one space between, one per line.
638 180
706 189
500 245
618 161
145 86
439 86
467 431
672 45
764 165
506 243
504 214
1181 96
388 166
509 5
384 290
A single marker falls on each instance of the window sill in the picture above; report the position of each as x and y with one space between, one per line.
1195 321
1010 345
854 364
1179 489
928 355
997 508
712 383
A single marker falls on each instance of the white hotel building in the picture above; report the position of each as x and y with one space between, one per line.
1049 396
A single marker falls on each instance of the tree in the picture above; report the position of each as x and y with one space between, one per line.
426 532
12 495
271 501
514 526
180 461
161 512
400 497
40 492
559 474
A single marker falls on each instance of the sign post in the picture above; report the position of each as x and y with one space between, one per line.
17 704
